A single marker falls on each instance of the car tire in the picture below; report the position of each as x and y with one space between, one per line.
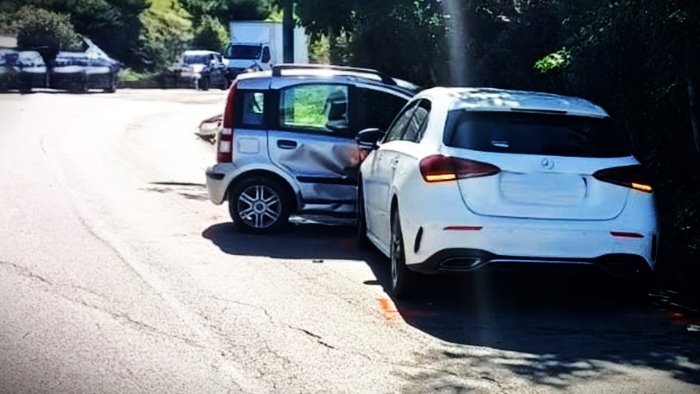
112 86
259 205
403 281
361 225
204 84
224 84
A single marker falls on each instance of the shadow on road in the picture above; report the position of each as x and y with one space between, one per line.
555 330
299 242
552 330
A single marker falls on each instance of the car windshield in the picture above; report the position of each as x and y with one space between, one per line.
30 57
195 59
534 133
245 52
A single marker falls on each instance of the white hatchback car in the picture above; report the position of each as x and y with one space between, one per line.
466 178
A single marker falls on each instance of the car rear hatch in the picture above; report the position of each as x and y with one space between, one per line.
547 164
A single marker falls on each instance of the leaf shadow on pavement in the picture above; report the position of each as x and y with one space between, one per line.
551 329
556 330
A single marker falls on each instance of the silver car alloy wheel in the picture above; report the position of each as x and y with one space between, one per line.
259 206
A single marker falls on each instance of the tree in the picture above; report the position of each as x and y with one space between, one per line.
329 18
114 25
167 31
404 38
45 31
227 10
210 35
247 10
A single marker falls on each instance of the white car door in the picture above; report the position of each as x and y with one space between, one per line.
378 179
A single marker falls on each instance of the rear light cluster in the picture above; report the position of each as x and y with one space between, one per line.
224 146
633 177
625 234
439 168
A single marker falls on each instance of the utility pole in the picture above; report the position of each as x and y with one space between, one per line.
288 30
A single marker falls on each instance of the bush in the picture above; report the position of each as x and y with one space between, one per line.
166 32
210 35
45 31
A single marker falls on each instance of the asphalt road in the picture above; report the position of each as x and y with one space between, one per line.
118 275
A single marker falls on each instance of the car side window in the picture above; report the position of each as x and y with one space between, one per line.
378 108
252 110
319 108
399 126
419 121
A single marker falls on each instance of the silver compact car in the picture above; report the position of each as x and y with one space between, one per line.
287 141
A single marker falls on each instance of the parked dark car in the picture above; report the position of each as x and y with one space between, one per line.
81 72
32 71
200 70
8 73
23 70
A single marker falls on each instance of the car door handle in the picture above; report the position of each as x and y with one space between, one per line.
286 144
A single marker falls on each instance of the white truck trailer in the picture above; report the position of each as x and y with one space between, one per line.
258 45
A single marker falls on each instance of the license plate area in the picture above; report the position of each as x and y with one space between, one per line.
543 189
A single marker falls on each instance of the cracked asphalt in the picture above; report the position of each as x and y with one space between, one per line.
117 275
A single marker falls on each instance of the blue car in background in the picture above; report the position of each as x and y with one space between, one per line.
23 70
81 72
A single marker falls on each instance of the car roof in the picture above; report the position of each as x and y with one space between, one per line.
490 99
196 52
319 73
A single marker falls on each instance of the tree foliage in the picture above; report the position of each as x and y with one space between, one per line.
45 31
211 35
114 25
167 31
227 10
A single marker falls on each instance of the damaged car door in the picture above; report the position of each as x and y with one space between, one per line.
314 142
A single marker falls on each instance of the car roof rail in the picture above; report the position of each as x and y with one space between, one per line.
278 68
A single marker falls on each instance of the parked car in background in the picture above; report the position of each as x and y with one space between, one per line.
22 70
468 178
32 71
287 143
78 71
8 73
200 70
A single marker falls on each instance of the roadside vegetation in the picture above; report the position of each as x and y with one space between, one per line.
639 59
